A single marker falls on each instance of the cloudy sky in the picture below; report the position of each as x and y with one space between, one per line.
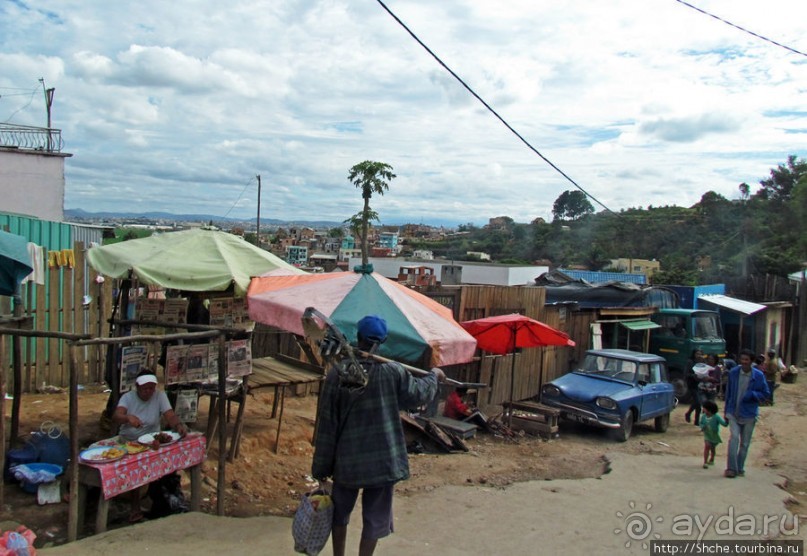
177 106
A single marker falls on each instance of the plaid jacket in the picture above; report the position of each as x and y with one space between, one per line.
359 440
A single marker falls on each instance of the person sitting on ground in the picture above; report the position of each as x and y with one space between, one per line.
456 408
139 412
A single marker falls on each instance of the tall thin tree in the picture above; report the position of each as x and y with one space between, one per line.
371 177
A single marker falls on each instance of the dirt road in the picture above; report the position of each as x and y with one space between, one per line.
650 484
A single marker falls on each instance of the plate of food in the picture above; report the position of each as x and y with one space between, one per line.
135 447
103 454
155 440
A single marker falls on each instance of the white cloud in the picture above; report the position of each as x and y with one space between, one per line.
178 106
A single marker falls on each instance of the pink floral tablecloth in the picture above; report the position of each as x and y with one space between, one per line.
136 470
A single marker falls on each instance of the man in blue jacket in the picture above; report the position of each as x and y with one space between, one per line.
746 388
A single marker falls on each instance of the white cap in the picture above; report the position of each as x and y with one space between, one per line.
146 379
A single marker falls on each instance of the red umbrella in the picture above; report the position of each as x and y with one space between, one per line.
504 334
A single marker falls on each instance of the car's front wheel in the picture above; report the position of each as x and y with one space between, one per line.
625 428
662 422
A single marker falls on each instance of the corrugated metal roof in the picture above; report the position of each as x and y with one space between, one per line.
733 304
597 277
639 324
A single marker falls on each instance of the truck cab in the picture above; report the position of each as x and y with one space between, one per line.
680 332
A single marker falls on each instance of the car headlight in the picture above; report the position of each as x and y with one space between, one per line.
550 390
606 403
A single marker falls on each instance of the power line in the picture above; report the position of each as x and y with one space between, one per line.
743 29
250 182
491 110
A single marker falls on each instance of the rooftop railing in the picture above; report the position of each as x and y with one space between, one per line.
31 138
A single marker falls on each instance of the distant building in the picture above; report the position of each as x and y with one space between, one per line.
348 242
423 254
479 255
348 254
636 266
32 171
297 255
388 240
467 272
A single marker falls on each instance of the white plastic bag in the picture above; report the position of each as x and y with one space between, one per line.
702 370
312 522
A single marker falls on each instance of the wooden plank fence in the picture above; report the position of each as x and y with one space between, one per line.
57 306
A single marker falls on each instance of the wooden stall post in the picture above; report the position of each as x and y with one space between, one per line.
2 415
72 520
222 406
16 362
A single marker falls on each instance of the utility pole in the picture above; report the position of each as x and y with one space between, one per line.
48 104
258 220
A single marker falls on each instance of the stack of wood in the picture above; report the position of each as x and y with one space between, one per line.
431 436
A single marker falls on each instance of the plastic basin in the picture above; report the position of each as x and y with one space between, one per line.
49 467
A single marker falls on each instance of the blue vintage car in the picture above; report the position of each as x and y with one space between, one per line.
614 388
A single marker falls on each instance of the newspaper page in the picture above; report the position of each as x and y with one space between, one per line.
148 309
221 312
175 359
241 315
186 405
174 310
133 358
239 358
213 362
196 364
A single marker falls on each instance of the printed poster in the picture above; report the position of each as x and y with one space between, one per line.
239 358
133 359
175 361
186 405
197 363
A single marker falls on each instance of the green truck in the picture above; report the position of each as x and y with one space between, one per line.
680 332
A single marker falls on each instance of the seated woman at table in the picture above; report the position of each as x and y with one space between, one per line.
139 412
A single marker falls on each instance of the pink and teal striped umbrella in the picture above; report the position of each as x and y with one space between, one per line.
416 323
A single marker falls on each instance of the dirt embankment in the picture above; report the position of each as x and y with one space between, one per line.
262 482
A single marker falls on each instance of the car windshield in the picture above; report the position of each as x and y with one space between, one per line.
707 327
600 365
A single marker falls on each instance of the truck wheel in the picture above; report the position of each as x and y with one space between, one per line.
626 428
662 422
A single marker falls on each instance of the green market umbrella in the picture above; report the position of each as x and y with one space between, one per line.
191 260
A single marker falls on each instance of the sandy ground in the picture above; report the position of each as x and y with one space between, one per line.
564 493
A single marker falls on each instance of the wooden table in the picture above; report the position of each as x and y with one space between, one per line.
279 373
136 470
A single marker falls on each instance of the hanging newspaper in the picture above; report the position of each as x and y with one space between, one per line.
239 358
173 311
175 358
221 312
228 312
186 405
197 364
133 359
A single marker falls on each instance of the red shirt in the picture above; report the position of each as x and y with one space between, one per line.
455 408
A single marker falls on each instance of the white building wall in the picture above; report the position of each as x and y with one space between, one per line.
32 183
472 273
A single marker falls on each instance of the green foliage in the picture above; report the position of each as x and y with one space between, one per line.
371 177
125 234
571 205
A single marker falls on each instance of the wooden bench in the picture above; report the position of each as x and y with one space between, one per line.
532 417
